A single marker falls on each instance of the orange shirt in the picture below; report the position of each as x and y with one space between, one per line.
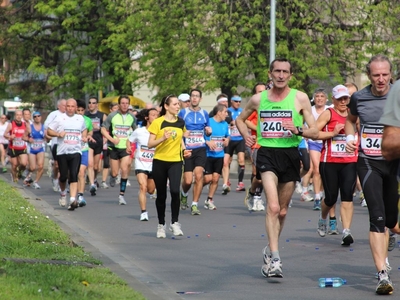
253 118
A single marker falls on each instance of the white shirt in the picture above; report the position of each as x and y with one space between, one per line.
50 118
73 127
143 155
3 128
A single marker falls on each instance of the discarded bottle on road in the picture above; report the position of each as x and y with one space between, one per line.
331 282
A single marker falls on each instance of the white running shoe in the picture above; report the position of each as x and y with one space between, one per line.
310 188
121 200
104 185
299 187
154 195
259 203
118 180
209 204
128 183
306 197
364 203
144 216
63 200
36 185
161 231
176 229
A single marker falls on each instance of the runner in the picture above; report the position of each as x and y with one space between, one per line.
378 177
3 142
35 136
215 152
166 135
197 123
143 158
81 107
337 167
116 129
95 147
236 144
282 112
61 106
17 146
70 130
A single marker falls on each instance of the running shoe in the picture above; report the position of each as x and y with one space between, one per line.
321 227
184 203
267 261
154 195
392 241
385 286
290 203
195 210
81 201
176 229
299 187
388 269
144 216
4 170
121 200
128 183
363 203
118 179
310 187
275 268
333 227
209 204
93 189
240 187
317 204
113 181
63 200
36 185
161 231
56 187
73 205
104 185
347 238
306 197
258 203
249 200
225 189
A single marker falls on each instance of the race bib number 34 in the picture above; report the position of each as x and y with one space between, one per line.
271 123
371 140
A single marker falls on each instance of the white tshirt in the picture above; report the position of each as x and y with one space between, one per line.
50 118
143 155
73 127
3 128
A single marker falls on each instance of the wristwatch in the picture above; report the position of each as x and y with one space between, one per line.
300 130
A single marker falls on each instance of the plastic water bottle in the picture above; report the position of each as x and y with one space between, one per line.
331 282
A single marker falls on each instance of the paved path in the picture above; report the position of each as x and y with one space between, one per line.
219 256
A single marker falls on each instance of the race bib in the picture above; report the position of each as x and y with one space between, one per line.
72 137
371 140
235 132
219 141
271 123
18 142
96 124
338 146
195 139
37 144
146 154
121 131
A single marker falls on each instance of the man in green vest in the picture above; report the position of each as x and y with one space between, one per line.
281 114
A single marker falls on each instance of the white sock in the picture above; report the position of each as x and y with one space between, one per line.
194 203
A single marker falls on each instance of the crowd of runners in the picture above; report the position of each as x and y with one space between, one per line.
321 151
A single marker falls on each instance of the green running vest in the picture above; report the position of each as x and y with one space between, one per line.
270 132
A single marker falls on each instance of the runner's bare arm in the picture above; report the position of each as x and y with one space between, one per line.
349 129
311 131
391 143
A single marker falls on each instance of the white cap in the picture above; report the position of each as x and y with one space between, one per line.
130 107
184 97
340 91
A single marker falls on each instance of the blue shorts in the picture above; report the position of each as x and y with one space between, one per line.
314 146
36 151
85 158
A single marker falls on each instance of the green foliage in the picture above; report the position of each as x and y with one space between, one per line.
82 46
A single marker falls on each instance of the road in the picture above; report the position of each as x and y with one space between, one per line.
219 256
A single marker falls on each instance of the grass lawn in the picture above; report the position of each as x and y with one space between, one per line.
39 261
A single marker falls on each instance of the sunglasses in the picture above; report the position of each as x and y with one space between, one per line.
236 101
37 116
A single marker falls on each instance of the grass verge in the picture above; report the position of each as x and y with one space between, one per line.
26 234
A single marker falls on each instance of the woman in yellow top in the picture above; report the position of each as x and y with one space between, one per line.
166 135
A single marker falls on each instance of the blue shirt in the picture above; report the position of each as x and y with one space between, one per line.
235 134
220 131
195 121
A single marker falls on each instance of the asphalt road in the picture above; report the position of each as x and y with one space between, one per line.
219 256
